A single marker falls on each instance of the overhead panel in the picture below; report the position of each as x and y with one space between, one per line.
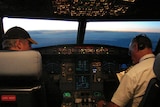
91 8
81 9
107 9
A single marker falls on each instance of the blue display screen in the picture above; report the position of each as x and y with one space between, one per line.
82 82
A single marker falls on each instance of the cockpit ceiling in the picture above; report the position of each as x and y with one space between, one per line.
81 9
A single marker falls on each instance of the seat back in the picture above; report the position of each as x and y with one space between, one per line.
20 79
152 94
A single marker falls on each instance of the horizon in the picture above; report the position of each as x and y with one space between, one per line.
113 38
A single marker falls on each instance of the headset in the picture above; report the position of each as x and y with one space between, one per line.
141 46
140 41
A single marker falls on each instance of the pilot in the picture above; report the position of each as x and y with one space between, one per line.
16 38
134 83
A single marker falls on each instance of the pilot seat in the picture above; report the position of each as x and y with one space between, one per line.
151 97
21 82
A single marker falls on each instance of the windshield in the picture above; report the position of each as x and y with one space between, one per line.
114 33
46 32
120 33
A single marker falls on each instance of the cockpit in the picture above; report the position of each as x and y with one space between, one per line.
83 45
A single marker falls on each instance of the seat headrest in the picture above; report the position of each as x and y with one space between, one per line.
156 66
20 64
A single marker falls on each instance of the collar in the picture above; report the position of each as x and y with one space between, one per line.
147 57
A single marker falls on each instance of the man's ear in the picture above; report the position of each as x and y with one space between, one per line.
18 44
135 47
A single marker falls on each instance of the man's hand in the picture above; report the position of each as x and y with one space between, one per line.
101 103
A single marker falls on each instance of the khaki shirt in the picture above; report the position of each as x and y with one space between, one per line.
133 84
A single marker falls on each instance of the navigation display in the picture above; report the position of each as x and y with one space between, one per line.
82 67
82 82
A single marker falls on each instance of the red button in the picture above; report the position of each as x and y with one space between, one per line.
8 97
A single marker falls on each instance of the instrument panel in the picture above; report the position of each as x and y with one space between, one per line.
84 49
83 72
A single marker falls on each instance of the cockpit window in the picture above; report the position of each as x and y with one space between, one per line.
46 32
120 33
61 32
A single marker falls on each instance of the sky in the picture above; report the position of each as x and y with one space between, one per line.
37 24
34 24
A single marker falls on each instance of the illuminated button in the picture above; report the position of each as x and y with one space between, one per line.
97 94
8 98
66 94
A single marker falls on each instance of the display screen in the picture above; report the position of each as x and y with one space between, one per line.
82 82
67 95
82 66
